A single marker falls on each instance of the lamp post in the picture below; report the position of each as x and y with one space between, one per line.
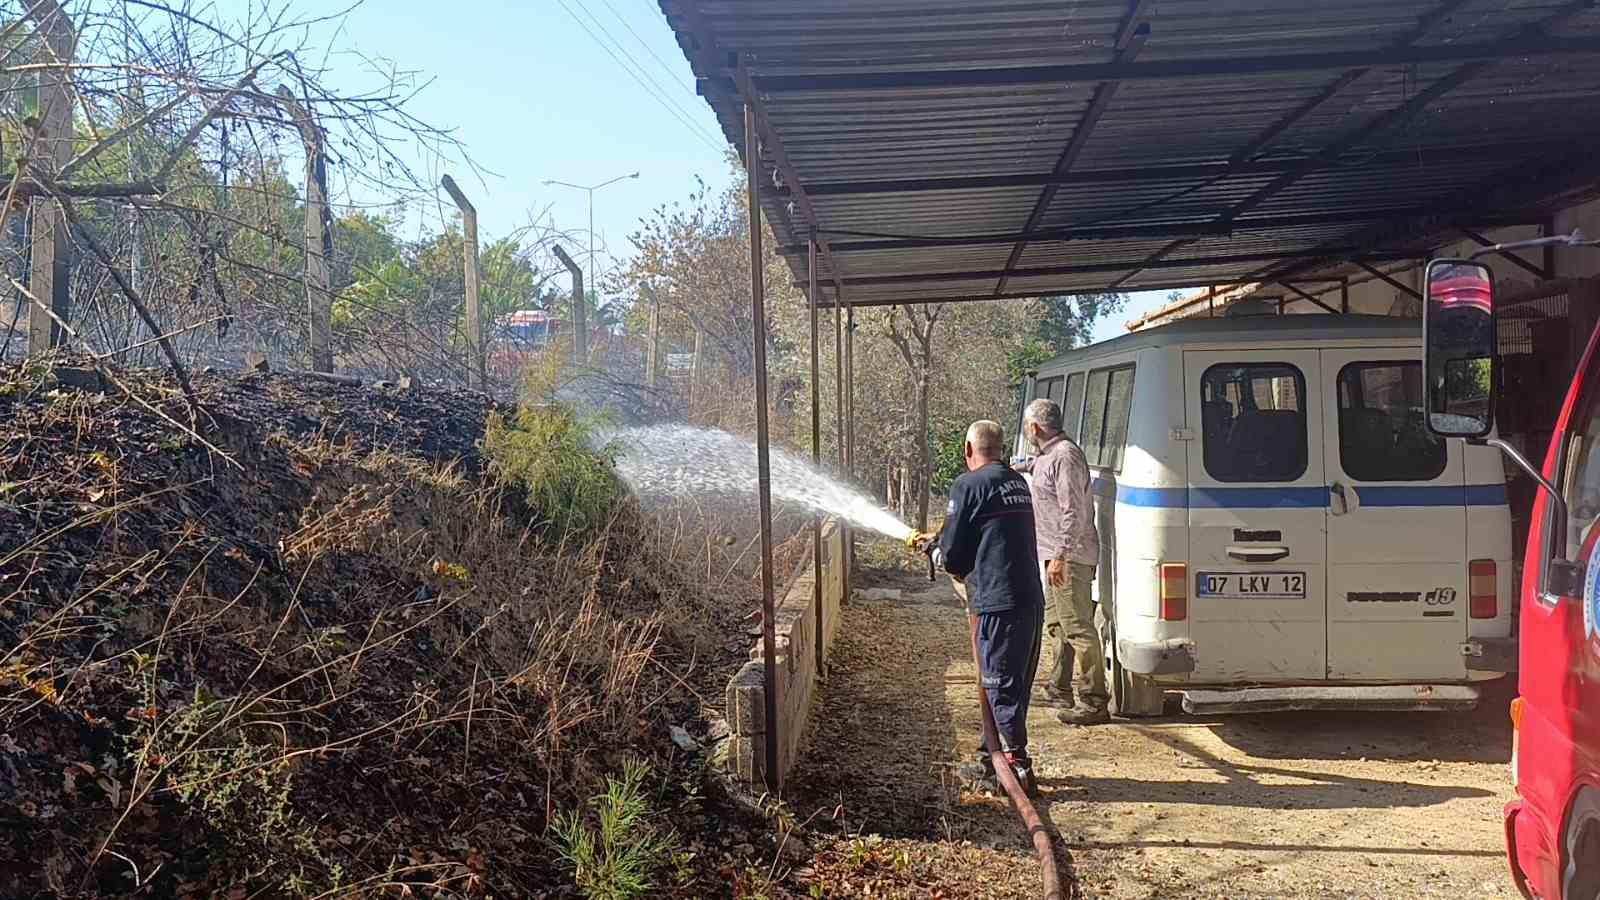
594 278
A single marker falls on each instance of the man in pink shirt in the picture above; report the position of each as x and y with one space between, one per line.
1069 550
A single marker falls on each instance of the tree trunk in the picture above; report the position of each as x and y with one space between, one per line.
924 452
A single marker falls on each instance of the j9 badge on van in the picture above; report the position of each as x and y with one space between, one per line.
1251 585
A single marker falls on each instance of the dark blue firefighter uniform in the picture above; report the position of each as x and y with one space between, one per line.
988 542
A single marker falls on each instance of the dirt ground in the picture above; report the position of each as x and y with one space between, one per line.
1290 805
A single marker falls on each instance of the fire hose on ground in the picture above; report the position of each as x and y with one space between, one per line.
1043 846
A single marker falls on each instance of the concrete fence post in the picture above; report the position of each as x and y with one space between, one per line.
319 235
51 252
476 363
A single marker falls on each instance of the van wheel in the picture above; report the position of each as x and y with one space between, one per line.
1580 880
1132 695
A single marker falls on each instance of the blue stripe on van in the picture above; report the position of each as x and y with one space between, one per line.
1308 497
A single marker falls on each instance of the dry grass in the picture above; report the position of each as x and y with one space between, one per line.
346 669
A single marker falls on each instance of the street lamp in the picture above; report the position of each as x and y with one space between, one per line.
594 278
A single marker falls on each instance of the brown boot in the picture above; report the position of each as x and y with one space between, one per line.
1054 696
1084 715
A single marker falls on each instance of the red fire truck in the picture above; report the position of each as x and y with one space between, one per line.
1553 826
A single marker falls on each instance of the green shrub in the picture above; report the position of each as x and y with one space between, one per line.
620 857
547 452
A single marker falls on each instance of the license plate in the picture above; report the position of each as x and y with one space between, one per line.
1251 585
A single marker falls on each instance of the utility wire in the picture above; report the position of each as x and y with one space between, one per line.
661 92
654 93
671 72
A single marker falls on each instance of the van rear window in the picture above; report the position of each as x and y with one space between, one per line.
1382 434
1253 419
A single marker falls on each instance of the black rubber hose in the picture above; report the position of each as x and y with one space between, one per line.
1042 844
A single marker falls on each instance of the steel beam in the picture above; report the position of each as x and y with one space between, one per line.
1245 165
1167 69
1203 229
1403 113
1131 38
1388 279
1507 255
1117 266
1147 262
705 55
1305 296
1242 159
1513 188
914 300
1396 116
767 135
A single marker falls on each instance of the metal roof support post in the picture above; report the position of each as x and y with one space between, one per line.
838 386
849 438
1344 296
758 318
816 450
1211 305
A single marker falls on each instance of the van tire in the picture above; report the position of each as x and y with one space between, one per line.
1132 696
1580 874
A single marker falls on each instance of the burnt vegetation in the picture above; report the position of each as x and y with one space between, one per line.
353 663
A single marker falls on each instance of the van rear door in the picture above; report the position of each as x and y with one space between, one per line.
1257 515
1397 525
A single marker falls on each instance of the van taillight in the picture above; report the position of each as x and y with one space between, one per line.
1174 592
1481 587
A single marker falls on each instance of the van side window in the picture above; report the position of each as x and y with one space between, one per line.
1072 406
1253 422
1382 434
1108 401
1048 388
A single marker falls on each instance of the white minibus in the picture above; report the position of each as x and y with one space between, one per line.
1279 530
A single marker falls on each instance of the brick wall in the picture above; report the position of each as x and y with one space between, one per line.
796 627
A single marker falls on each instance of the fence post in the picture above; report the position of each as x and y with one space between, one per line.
652 350
319 235
469 263
580 336
48 274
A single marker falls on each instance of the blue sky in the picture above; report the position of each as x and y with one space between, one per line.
541 90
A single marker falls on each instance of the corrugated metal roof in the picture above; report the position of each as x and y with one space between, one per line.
1240 139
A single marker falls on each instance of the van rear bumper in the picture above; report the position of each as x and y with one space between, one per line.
1490 654
1422 697
1169 657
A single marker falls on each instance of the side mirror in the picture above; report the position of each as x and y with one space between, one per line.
1458 339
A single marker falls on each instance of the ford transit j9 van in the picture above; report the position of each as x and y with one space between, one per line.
1279 528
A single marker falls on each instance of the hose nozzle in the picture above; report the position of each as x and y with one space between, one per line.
919 541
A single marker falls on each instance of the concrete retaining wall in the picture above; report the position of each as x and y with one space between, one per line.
797 681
